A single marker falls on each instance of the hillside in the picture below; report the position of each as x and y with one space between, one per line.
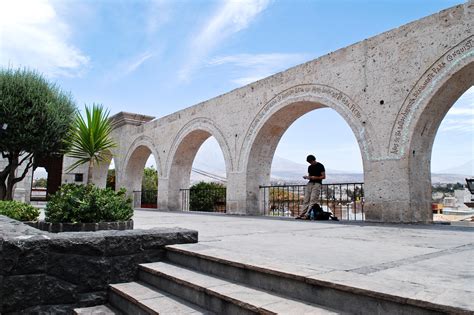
287 171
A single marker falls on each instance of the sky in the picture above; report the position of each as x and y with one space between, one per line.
156 57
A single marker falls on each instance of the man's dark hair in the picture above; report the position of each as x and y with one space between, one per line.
310 158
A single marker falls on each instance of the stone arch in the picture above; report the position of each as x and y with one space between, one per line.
440 76
183 150
131 174
449 77
275 118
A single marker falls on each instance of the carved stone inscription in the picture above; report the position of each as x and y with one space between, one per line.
301 91
416 94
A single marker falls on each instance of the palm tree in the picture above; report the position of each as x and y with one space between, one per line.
90 139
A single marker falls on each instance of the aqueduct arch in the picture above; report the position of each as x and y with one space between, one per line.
131 173
276 117
392 89
183 151
448 88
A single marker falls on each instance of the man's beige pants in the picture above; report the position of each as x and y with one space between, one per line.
311 196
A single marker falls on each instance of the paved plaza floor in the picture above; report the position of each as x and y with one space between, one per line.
433 263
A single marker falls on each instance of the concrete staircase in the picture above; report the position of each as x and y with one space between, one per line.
191 283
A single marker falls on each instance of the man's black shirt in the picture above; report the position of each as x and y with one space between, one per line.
316 170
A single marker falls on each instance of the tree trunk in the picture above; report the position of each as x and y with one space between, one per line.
8 177
89 173
3 179
11 176
3 190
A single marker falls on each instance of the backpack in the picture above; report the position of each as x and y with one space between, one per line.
317 213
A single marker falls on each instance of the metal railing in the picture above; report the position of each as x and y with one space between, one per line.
346 201
145 199
207 200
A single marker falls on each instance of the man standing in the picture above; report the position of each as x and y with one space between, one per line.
316 174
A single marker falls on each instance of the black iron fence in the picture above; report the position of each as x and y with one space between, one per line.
208 200
145 199
346 201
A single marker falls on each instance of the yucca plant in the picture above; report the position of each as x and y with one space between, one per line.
90 139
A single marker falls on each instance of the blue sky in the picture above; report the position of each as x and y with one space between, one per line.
157 57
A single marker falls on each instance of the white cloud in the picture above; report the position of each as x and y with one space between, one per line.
251 68
127 66
462 111
247 80
134 63
159 13
460 118
33 35
231 17
464 125
259 60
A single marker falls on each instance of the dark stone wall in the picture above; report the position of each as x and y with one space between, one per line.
42 272
80 227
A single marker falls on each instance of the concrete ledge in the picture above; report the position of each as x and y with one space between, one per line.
46 272
80 227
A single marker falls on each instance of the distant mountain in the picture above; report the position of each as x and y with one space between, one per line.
457 174
463 169
283 170
448 178
287 171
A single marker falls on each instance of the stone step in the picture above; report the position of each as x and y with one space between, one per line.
298 286
220 295
97 310
139 299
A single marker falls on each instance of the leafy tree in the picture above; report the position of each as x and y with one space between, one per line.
447 188
35 119
206 196
90 140
40 182
149 186
150 179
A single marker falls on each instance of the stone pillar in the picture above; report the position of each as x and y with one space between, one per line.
179 179
393 195
22 190
163 196
127 181
236 202
242 195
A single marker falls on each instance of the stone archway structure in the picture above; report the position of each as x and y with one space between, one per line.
185 145
393 90
131 174
275 117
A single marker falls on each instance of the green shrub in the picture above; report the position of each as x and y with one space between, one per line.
206 196
87 204
19 211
